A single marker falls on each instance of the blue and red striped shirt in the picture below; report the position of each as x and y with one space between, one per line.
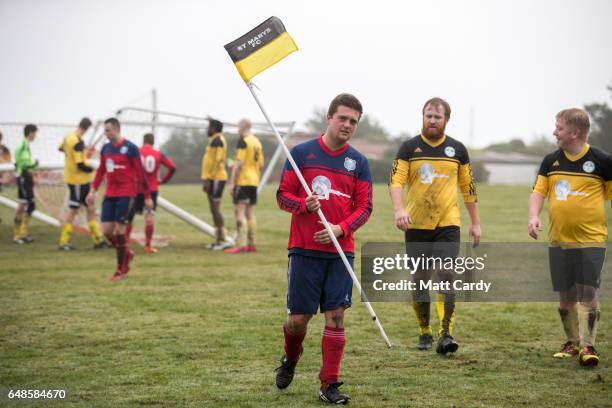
342 180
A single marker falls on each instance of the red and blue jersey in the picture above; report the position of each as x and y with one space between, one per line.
151 161
342 180
121 165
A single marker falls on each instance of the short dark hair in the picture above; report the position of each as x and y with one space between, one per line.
85 123
344 99
149 139
114 122
216 125
29 129
439 102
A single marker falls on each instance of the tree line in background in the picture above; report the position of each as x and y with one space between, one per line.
186 148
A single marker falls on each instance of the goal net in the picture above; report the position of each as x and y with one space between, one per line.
51 192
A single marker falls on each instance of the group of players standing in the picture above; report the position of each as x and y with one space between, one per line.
131 187
131 175
243 182
576 179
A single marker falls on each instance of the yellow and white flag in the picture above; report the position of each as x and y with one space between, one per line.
260 48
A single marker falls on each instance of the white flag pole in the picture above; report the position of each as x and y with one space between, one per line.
321 216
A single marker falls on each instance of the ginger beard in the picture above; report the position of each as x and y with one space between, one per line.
434 122
433 132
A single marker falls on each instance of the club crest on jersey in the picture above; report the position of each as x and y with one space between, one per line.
322 187
588 166
449 151
563 190
350 164
123 150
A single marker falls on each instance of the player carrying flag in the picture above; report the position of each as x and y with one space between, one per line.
120 164
317 278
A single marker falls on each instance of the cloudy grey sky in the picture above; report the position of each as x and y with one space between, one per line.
514 62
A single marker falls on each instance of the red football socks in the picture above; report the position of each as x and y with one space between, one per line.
148 234
121 249
293 344
332 348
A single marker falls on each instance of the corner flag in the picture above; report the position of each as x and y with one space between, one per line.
261 48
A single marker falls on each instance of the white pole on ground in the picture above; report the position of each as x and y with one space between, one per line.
321 216
188 218
36 214
274 159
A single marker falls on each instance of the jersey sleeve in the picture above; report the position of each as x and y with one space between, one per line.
23 158
466 177
362 201
241 150
261 156
219 155
541 184
608 177
79 152
401 167
205 167
169 165
139 172
288 189
100 172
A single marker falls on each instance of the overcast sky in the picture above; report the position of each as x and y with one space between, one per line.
515 63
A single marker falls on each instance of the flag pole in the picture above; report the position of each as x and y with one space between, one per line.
321 216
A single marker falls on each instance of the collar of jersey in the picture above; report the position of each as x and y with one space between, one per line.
433 144
327 150
578 156
121 141
218 134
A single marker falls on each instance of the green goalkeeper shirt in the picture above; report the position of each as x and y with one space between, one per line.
23 158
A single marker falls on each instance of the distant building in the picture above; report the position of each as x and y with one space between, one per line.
509 168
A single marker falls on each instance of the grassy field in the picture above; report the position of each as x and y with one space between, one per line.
192 327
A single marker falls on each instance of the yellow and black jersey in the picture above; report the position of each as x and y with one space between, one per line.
250 153
432 171
76 168
213 162
577 188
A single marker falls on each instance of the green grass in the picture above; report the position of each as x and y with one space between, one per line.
192 327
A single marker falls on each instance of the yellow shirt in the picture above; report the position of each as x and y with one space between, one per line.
213 162
250 153
74 153
577 188
432 171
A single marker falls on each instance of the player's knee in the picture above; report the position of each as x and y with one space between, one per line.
297 323
570 296
335 318
587 294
